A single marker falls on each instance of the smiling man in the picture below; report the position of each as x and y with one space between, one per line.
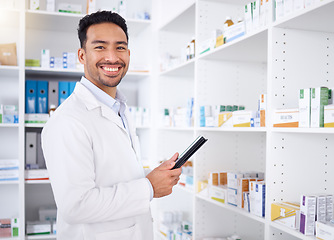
90 146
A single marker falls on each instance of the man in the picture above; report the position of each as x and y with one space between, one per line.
90 146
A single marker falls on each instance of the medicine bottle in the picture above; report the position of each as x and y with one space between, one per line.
228 21
188 51
192 48
52 109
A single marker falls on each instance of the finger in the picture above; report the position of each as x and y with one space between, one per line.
169 163
176 172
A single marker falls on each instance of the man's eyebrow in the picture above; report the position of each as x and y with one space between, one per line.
122 42
99 41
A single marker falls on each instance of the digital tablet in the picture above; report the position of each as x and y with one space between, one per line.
189 151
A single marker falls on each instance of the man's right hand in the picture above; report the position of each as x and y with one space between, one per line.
163 178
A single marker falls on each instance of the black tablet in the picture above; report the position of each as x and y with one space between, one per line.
189 151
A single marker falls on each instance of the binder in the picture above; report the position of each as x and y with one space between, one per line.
42 97
40 156
31 96
63 91
71 87
190 151
53 94
31 153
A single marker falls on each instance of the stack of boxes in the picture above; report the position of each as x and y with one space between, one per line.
9 114
172 226
180 116
9 170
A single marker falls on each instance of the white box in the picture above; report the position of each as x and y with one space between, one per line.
309 3
329 207
298 5
329 116
304 108
9 175
307 214
286 117
319 99
256 15
45 58
288 7
232 179
1 112
50 5
71 60
257 196
325 231
70 8
232 196
218 193
279 9
249 18
321 208
286 214
235 31
243 118
34 4
9 164
38 174
38 227
47 213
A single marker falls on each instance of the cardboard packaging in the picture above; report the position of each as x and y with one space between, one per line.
304 108
329 116
329 207
319 99
218 193
324 230
286 214
286 118
8 54
235 31
243 118
5 228
263 109
257 197
308 205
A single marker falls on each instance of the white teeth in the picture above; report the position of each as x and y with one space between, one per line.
111 69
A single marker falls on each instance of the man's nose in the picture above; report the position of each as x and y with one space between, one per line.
112 56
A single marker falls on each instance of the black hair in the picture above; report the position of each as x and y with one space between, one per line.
100 17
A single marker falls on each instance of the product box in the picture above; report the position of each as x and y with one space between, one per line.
225 119
71 60
32 63
329 116
54 228
263 109
235 31
36 118
246 201
256 14
324 230
70 8
286 117
232 179
50 5
9 164
319 99
304 108
34 4
10 114
214 179
15 227
223 178
8 54
243 186
201 185
48 213
243 118
329 207
5 228
38 227
308 205
257 197
58 62
91 6
288 7
1 113
286 214
45 58
38 174
218 193
298 5
9 175
321 208
232 196
279 9
249 17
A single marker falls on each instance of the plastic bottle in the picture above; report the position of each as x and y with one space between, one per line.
52 109
188 51
122 9
192 48
228 21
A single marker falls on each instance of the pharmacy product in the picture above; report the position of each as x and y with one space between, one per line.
235 31
15 227
257 196
34 4
9 175
9 164
201 185
256 14
298 5
285 214
286 117
319 99
329 207
304 107
279 9
91 6
70 8
329 116
38 174
218 193
122 9
288 7
263 109
243 186
10 114
5 228
249 17
243 118
45 58
321 208
324 230
192 48
223 178
38 227
232 179
309 3
50 5
1 112
307 214
232 196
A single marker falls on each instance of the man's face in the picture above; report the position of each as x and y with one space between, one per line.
105 56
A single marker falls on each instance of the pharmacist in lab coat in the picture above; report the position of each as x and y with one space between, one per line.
90 146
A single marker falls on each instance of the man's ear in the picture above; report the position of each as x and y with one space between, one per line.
82 55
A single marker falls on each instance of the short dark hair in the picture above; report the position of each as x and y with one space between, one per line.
100 17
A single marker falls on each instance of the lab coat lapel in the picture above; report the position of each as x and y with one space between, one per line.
132 130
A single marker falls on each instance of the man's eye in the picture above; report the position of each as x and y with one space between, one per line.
121 48
99 47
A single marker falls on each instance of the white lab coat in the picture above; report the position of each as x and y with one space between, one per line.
98 183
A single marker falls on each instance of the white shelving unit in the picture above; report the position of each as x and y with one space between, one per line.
289 54
33 30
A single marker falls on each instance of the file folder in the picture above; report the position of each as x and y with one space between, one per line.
42 97
71 87
189 151
31 153
53 94
31 96
40 157
63 91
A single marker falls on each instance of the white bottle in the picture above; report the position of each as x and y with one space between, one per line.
122 9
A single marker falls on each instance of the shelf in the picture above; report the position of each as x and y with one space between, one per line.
9 125
51 236
68 22
185 69
232 129
9 71
315 18
250 48
291 231
231 208
37 181
183 22
53 71
176 129
303 130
